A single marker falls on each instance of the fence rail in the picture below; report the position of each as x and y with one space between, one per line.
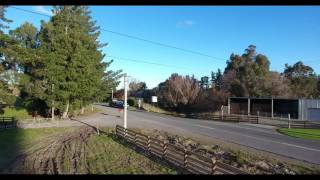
7 122
181 157
294 123
226 118
280 122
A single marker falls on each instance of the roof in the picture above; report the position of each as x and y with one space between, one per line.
265 98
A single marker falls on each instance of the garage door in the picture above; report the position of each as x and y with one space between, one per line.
314 114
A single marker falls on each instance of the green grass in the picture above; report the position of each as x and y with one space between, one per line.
110 157
13 141
301 133
18 113
104 155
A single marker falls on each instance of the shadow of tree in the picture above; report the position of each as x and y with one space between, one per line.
11 142
110 115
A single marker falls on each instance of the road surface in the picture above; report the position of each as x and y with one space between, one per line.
260 137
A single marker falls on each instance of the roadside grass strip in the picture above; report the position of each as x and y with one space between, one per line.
71 151
313 134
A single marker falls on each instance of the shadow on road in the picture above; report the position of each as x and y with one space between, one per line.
110 114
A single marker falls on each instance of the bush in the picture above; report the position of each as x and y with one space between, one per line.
131 102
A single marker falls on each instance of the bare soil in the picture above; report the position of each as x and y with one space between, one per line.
48 155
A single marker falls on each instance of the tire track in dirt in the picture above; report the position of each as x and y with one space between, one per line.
50 154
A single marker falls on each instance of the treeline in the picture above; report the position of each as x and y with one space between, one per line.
248 74
58 68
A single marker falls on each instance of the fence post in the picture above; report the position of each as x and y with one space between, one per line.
221 114
289 125
164 148
148 143
185 158
125 133
304 124
135 138
214 166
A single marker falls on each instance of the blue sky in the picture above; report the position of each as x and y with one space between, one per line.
285 34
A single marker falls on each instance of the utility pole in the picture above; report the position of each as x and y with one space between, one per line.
289 124
125 102
111 94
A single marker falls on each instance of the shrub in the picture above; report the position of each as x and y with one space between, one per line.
131 102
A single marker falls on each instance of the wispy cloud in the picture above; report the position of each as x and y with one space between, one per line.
186 23
43 10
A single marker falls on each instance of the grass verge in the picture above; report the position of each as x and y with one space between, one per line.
17 113
72 152
313 134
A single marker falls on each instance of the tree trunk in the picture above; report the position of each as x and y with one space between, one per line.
52 113
82 110
65 113
91 108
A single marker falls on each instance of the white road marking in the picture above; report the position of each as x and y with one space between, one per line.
311 149
261 139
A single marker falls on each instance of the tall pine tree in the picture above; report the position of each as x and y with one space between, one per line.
74 60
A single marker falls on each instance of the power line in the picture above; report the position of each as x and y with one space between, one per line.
147 62
119 58
161 44
29 11
136 38
145 40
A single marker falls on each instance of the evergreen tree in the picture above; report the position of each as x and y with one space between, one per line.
30 66
74 59
251 70
6 54
303 80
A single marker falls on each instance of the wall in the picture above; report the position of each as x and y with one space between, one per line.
308 106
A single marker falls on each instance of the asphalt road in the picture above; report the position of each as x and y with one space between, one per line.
261 137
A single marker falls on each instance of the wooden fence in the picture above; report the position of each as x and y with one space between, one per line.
181 157
280 122
226 118
302 124
7 122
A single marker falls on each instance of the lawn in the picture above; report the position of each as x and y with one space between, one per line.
14 141
18 113
301 133
71 151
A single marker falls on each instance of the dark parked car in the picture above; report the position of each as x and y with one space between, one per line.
118 104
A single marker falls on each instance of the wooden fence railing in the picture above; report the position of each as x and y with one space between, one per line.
256 120
226 118
7 122
303 124
181 157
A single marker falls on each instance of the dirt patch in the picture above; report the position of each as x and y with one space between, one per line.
52 154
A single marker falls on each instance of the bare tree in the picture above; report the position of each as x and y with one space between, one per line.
277 85
178 91
136 85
